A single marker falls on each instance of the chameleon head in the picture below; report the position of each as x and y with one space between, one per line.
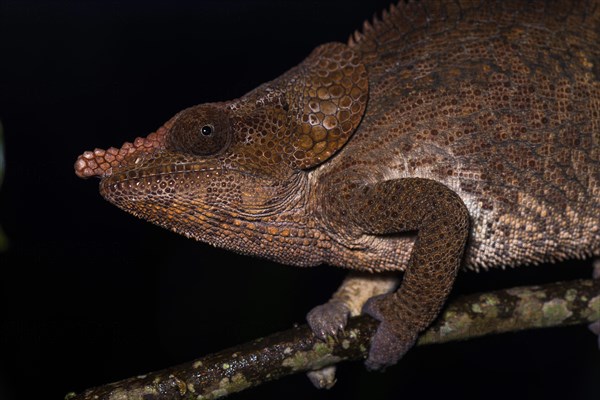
235 174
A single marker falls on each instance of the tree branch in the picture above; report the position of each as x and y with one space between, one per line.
297 350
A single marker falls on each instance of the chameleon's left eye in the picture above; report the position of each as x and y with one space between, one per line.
207 130
202 130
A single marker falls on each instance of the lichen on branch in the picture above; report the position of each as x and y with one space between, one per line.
297 350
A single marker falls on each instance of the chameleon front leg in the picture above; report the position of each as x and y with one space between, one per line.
330 318
441 222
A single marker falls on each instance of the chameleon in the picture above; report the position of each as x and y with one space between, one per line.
442 136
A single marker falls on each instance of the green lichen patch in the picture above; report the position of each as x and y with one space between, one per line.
527 293
318 357
529 307
489 299
296 361
555 311
459 322
222 390
571 295
226 386
594 308
136 393
238 383
322 349
487 305
215 394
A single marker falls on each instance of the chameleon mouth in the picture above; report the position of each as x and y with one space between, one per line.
133 173
152 191
157 176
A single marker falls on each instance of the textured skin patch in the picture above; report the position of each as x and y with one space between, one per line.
334 97
499 101
200 131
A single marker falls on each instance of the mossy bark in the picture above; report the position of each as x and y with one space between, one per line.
297 350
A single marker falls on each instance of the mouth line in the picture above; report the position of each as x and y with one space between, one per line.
126 175
132 173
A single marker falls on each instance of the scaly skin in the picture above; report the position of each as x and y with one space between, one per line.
446 134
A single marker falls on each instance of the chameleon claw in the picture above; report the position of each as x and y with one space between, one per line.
323 378
328 319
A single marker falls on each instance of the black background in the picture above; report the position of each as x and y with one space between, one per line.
89 294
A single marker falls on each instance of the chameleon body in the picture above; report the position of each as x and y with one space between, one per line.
443 134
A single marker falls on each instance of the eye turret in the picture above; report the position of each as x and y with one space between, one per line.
201 130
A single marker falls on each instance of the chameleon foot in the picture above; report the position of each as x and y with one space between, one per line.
391 340
328 319
323 378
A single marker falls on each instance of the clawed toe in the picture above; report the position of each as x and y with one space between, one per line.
323 378
328 319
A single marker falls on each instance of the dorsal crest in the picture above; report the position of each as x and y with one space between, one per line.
408 16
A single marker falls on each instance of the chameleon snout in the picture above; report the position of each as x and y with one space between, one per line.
100 162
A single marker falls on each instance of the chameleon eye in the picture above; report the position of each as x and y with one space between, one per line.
203 130
207 130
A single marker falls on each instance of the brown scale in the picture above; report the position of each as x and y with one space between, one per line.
441 122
